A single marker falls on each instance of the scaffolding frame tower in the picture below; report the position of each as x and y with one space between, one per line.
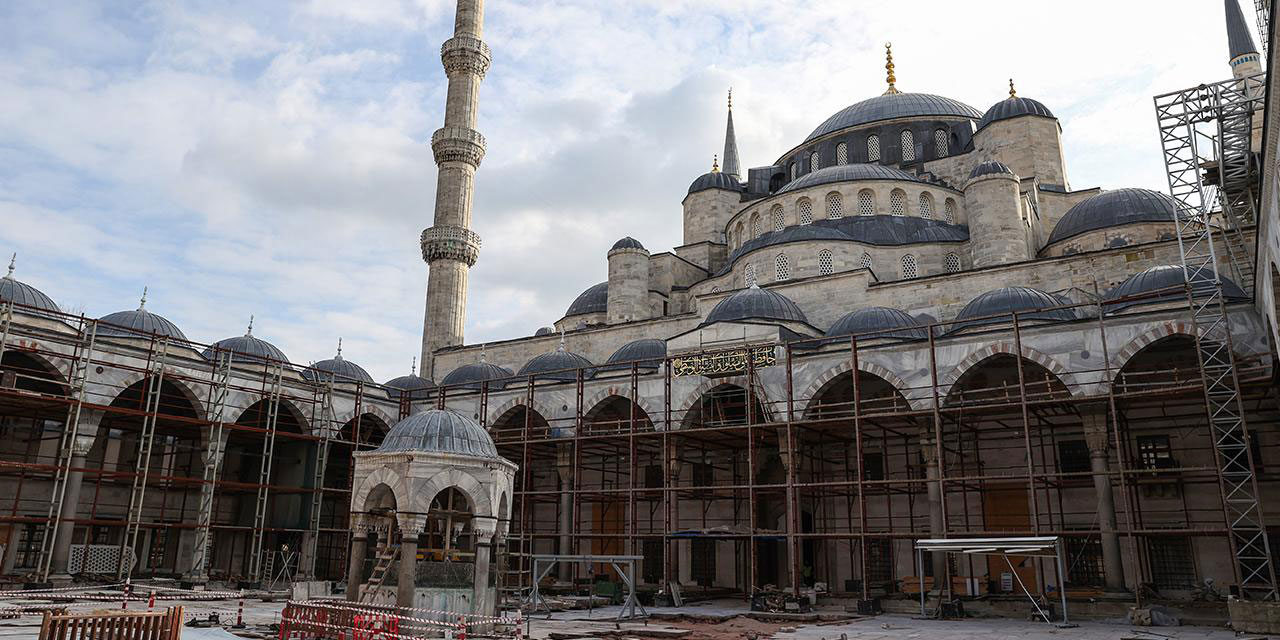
1205 135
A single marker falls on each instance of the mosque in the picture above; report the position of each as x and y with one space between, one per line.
911 324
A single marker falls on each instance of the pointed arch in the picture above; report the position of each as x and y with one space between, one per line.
645 404
826 378
381 477
952 375
461 479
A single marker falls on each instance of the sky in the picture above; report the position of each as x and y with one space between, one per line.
272 158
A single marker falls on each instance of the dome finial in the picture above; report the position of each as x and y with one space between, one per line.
142 304
888 66
413 368
561 347
249 331
13 263
1013 93
482 354
339 356
731 98
715 163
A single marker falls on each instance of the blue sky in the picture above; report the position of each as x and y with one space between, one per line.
271 158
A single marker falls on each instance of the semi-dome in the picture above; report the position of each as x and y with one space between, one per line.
474 375
754 303
247 349
418 387
1012 107
560 365
872 230
1166 277
715 180
593 300
337 369
1113 209
648 353
439 431
1028 303
990 167
891 106
627 243
878 322
138 323
11 290
848 173
544 331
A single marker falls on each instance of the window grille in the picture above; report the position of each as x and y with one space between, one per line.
866 203
908 146
835 206
879 561
782 267
813 161
1154 452
898 203
873 148
755 226
865 261
776 219
804 211
1085 561
949 211
1172 566
952 262
793 171
825 265
842 153
940 145
926 206
909 266
749 276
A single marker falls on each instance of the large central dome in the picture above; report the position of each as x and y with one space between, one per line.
894 105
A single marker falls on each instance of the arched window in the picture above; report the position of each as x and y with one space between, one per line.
866 203
737 235
842 153
835 206
825 265
749 275
813 161
926 206
804 211
949 210
793 171
755 225
781 267
940 146
898 202
865 260
908 146
776 219
873 148
952 263
909 266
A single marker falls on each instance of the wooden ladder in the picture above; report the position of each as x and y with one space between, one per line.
387 555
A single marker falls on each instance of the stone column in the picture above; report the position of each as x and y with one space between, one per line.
564 468
411 526
937 527
86 433
1097 438
483 601
355 561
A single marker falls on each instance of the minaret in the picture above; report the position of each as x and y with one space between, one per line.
449 246
731 167
1244 60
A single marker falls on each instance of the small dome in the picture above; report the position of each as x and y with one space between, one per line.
627 243
878 322
1012 108
891 106
593 300
439 431
544 331
559 365
754 303
1167 277
647 352
138 323
715 180
471 376
990 167
419 388
1114 209
11 290
337 369
247 349
1027 302
847 173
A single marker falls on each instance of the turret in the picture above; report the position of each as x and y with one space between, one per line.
1244 58
1024 135
628 282
713 198
996 232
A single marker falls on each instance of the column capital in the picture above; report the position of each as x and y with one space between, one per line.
484 528
465 54
449 242
411 524
1093 416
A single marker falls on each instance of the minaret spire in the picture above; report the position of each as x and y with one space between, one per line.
449 246
731 166
1239 38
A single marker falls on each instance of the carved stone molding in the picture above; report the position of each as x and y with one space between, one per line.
465 54
447 242
458 144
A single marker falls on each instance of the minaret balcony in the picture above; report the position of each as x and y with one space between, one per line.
458 144
449 242
465 54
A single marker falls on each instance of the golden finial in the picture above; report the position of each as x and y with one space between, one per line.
715 164
1012 92
888 66
731 98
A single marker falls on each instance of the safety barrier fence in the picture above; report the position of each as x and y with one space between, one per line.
346 621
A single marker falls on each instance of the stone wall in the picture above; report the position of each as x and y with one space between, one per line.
1114 237
997 234
628 285
706 213
1030 145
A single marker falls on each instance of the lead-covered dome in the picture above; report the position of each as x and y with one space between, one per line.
473 376
715 180
1114 209
337 369
1013 107
990 167
648 353
138 323
560 365
247 349
754 303
439 431
878 322
11 290
1028 303
593 300
891 106
627 243
1170 278
848 173
418 387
